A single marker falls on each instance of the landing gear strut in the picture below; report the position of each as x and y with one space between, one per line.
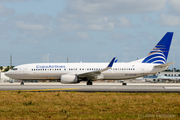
89 83
22 83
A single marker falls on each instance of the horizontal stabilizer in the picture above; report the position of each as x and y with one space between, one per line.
165 65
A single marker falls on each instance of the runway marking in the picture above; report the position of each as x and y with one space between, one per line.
172 87
49 89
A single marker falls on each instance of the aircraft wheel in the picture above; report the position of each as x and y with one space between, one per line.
89 83
22 83
124 83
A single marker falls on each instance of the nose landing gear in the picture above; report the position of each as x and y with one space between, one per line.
22 83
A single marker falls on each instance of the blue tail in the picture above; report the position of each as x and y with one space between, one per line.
159 53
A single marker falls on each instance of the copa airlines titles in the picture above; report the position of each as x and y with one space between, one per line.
50 66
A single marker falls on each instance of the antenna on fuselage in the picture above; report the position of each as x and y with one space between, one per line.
47 57
11 61
67 59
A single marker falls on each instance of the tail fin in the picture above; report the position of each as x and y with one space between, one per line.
159 53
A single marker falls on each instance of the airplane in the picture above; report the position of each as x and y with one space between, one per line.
72 73
162 77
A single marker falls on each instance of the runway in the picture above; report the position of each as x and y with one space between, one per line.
96 87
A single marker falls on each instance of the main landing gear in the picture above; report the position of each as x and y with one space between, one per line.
22 83
89 83
124 83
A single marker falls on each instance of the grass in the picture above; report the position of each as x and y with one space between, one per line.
77 105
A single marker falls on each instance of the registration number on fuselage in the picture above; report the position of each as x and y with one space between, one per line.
130 74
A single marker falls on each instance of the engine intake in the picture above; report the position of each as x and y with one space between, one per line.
69 79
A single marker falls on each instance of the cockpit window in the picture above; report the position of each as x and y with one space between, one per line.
15 69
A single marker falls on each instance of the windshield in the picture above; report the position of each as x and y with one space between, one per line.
15 69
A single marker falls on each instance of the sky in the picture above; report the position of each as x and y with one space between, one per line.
86 30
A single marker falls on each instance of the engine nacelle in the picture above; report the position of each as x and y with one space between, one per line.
69 79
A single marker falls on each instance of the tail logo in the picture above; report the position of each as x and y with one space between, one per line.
156 55
159 53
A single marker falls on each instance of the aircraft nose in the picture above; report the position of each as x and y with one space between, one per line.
7 73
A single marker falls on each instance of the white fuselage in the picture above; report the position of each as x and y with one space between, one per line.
69 73
54 71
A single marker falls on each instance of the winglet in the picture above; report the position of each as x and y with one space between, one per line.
111 63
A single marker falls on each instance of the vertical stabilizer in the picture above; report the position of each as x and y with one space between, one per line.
159 53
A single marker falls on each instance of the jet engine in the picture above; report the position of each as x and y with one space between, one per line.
69 79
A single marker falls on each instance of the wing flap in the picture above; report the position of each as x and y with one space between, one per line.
89 74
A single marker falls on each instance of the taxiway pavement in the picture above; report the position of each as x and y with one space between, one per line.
96 87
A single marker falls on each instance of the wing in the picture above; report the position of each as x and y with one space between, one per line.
94 74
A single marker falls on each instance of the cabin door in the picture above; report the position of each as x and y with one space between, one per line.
25 70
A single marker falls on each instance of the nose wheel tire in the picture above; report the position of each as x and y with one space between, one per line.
89 83
22 83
